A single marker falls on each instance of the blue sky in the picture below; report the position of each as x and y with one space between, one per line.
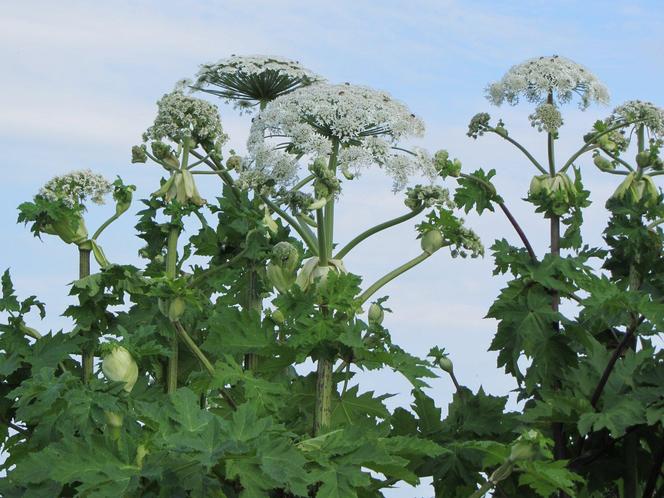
80 80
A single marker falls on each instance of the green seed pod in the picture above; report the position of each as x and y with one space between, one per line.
375 314
603 163
432 241
176 309
643 159
119 366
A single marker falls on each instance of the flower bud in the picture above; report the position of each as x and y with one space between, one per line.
375 314
285 255
119 366
603 163
234 163
643 159
138 154
280 278
432 241
446 364
176 308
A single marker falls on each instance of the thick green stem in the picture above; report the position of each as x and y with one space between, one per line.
87 357
252 302
391 276
329 207
171 272
378 228
323 413
322 238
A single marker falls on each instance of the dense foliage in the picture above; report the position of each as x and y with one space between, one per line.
188 379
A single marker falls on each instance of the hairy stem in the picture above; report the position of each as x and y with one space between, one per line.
324 387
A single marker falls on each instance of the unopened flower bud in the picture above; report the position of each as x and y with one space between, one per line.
234 163
375 314
603 163
446 364
643 159
432 241
119 366
176 308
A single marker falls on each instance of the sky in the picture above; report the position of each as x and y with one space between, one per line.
80 81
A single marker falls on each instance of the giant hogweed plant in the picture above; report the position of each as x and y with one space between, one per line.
200 385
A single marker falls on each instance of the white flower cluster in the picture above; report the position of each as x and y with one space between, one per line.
535 78
75 187
649 114
546 118
253 78
365 123
181 117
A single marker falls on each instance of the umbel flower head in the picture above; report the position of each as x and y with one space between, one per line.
182 118
645 113
536 78
74 188
248 80
365 124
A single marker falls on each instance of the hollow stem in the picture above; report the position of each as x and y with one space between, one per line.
323 410
87 355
